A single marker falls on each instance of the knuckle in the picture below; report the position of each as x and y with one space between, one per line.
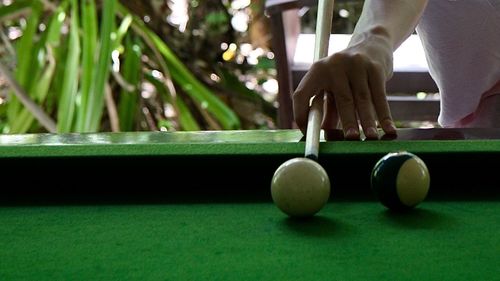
350 59
340 60
297 95
322 68
382 71
376 66
359 59
339 57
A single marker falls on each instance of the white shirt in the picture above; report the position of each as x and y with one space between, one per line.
462 43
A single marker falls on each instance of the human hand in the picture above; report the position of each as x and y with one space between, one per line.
354 82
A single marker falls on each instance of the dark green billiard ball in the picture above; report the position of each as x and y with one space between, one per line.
400 180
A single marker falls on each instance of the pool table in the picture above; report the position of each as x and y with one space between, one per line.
197 206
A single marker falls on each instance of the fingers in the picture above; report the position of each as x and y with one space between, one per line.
308 87
346 109
331 118
363 98
377 87
356 95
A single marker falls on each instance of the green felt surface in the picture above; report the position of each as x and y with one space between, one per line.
347 241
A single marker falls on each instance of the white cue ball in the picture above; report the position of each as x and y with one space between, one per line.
300 187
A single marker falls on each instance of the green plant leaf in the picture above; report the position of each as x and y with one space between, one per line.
89 42
93 109
58 46
69 88
25 56
128 104
231 82
186 118
194 88
188 82
14 7
54 29
25 118
122 30
43 70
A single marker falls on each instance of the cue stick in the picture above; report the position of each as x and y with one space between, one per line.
323 29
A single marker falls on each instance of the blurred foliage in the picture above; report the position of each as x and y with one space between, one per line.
130 65
123 66
345 17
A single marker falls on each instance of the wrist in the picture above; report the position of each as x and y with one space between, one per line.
374 43
380 32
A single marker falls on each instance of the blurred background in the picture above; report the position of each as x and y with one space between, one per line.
157 65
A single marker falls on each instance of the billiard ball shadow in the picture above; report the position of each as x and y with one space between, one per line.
317 226
417 218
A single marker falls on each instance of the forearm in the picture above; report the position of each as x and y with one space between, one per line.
393 20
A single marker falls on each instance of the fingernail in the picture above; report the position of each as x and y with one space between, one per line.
371 132
388 126
391 127
352 133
